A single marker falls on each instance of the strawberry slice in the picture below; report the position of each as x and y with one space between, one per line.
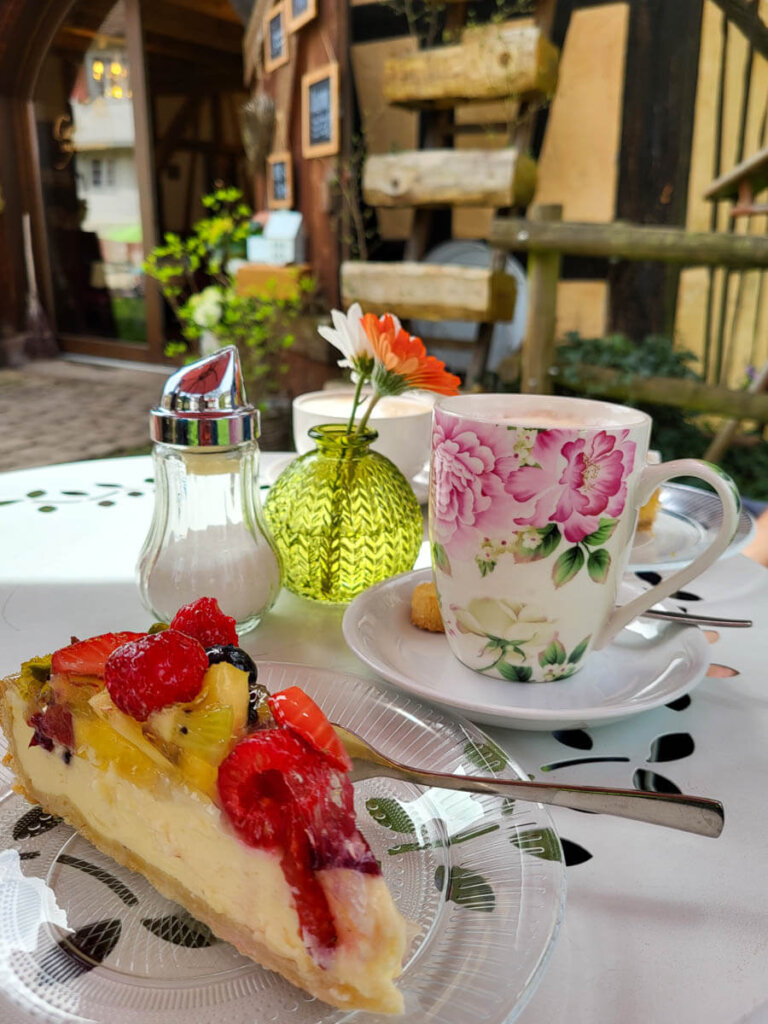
88 657
297 711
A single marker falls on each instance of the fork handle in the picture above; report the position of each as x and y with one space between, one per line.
700 815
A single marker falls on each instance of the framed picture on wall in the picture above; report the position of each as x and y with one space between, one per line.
320 111
275 38
299 12
279 181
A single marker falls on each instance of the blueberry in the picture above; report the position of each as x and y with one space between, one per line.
236 656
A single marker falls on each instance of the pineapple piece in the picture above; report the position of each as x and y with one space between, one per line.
199 773
128 728
97 740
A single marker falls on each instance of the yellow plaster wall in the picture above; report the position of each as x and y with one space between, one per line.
738 300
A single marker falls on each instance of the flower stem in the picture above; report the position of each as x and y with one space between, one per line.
366 415
356 402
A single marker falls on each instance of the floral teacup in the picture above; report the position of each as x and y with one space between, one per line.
532 511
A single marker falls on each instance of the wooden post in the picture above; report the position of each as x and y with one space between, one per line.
727 431
539 340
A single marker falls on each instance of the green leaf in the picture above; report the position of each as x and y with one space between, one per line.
602 533
553 654
467 888
485 566
578 651
515 673
542 843
550 538
35 494
598 564
488 757
440 559
567 565
389 813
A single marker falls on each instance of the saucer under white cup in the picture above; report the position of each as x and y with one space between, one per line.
403 423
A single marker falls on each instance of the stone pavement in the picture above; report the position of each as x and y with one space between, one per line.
62 410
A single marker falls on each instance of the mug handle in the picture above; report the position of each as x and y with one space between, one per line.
650 478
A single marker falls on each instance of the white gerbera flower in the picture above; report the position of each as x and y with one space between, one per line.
348 336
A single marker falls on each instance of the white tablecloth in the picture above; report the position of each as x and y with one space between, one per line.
660 926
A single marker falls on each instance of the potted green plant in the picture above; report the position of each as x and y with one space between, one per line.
196 279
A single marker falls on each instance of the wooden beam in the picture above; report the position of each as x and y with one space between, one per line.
753 171
429 291
192 27
450 177
144 157
173 134
489 63
621 241
539 340
746 17
221 9
691 395
660 79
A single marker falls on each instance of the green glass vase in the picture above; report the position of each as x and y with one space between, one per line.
343 517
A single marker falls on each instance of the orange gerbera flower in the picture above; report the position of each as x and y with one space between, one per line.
402 361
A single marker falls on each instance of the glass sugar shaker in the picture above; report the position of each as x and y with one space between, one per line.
208 536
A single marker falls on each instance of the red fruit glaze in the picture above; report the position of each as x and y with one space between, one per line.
297 711
88 657
206 622
156 670
281 794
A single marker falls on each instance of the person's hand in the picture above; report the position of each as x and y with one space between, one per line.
758 546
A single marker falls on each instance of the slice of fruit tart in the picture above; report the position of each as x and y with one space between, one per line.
164 751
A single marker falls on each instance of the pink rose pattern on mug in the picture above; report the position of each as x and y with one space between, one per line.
569 492
532 511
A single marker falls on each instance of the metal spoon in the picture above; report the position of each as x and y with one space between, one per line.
695 620
696 814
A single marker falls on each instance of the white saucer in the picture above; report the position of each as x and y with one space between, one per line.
270 473
648 665
685 525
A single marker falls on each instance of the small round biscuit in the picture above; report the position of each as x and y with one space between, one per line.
425 611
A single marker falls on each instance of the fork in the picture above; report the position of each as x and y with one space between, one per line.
696 814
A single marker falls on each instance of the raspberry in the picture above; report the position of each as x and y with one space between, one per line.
281 794
158 669
206 622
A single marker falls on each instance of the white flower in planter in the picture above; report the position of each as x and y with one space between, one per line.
206 307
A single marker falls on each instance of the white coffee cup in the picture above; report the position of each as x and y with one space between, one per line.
403 423
532 511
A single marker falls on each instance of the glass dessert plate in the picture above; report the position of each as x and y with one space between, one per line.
685 525
481 878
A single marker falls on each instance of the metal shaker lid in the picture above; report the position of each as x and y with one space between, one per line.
204 404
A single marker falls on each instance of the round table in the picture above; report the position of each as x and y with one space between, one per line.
659 925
